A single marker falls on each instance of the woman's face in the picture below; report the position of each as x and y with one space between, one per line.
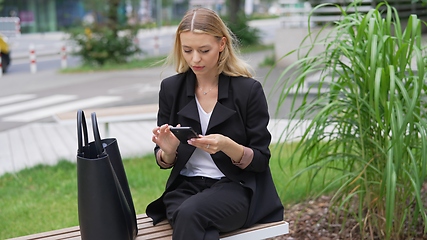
201 52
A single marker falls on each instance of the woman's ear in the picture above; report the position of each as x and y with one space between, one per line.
222 44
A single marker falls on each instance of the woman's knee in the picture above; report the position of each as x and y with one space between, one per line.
189 212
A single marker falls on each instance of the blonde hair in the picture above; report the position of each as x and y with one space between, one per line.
203 20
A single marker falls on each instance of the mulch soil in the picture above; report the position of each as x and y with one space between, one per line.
310 220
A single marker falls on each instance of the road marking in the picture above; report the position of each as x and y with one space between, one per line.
50 100
50 111
16 98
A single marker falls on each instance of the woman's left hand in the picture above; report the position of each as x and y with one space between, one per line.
212 143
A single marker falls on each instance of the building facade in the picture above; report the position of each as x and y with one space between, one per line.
44 15
57 15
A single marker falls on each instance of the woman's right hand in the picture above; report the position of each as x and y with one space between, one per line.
165 139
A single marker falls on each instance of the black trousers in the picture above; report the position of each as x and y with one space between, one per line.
200 208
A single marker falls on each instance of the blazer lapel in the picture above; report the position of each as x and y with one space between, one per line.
190 111
221 112
219 115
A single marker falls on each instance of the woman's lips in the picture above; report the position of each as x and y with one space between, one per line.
197 68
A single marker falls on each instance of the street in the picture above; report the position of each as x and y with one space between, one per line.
152 42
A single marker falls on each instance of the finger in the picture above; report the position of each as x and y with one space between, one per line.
164 128
155 130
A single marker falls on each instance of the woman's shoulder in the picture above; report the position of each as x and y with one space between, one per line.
241 81
251 87
174 79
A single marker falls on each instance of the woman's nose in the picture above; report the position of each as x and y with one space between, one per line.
196 57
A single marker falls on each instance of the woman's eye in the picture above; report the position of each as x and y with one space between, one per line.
187 51
205 51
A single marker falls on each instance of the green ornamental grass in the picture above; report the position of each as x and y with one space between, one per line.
369 127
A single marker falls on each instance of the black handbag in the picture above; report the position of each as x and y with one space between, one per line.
105 206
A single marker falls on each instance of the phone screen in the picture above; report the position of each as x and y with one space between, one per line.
184 133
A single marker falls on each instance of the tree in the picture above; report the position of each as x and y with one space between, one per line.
113 15
234 10
237 22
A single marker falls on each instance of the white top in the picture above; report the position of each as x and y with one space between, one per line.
201 163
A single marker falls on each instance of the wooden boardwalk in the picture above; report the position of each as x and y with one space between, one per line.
47 143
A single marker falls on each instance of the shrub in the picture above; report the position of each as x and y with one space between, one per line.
371 122
101 45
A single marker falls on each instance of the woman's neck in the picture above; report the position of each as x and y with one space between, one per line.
205 81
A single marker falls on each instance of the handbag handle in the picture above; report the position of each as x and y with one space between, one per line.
96 136
81 132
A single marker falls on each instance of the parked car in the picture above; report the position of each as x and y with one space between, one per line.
5 53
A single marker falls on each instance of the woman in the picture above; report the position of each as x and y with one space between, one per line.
221 180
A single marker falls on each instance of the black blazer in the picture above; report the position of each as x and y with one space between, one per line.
241 113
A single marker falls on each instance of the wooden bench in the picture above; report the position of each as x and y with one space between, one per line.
163 230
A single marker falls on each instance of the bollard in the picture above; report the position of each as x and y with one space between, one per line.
33 66
64 57
18 27
156 45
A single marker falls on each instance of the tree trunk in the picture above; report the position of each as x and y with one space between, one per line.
112 15
234 10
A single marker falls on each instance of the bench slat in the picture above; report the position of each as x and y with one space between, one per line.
56 234
165 234
259 231
163 230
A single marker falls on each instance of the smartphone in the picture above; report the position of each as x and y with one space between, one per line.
184 133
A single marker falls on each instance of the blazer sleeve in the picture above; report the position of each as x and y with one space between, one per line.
163 116
258 136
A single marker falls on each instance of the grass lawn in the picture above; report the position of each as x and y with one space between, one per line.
44 198
134 64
